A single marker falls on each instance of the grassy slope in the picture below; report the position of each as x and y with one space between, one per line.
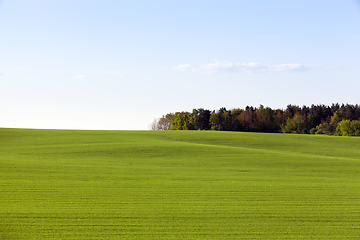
177 185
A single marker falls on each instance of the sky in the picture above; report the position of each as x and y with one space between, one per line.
118 65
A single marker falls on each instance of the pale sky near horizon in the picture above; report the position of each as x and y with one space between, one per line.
85 64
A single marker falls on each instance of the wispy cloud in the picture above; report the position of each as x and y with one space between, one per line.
182 67
1 73
80 77
251 67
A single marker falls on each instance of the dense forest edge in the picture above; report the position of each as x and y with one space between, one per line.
340 120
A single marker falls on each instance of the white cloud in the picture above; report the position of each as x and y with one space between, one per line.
267 68
182 67
80 77
251 67
1 73
215 67
114 73
288 68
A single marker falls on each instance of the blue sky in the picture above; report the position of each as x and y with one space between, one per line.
77 64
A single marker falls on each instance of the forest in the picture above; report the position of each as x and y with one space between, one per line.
340 120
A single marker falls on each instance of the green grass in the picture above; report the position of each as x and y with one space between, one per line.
59 184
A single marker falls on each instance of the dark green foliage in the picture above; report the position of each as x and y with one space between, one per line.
202 119
225 118
214 121
317 119
265 121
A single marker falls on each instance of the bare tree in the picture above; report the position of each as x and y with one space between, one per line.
160 124
163 124
153 125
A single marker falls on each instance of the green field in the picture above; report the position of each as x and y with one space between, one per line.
60 184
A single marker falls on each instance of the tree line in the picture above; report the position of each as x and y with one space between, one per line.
342 120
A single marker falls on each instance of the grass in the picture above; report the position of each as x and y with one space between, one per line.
60 184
